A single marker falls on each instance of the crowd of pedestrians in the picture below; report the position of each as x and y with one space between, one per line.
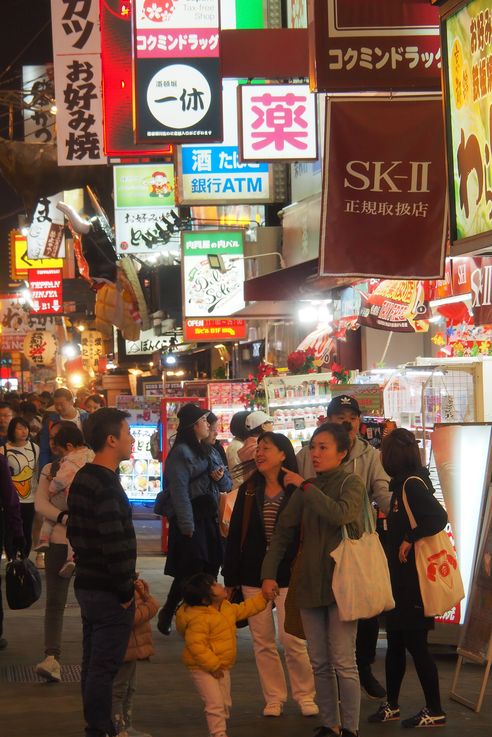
261 517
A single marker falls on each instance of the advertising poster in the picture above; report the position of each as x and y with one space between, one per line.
460 472
212 292
46 235
384 196
140 475
46 287
178 91
468 76
144 199
277 123
395 305
20 263
366 45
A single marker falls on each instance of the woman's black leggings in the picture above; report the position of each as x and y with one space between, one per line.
415 641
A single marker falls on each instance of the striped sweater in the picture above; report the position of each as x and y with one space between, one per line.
100 530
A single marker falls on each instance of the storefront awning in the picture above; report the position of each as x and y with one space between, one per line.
285 284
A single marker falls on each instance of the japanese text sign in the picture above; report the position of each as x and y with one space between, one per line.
395 305
46 289
46 235
467 43
177 70
40 348
384 206
77 63
20 264
277 122
196 331
92 348
148 343
17 322
209 292
38 94
368 45
144 197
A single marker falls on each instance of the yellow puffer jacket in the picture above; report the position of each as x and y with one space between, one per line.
210 633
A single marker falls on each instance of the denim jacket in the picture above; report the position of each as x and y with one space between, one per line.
187 477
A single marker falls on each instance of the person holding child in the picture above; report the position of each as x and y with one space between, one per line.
140 647
207 621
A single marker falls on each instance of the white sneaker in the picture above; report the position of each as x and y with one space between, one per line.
273 709
39 562
50 669
67 569
308 708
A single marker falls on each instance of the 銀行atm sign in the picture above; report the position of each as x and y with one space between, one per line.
203 329
46 288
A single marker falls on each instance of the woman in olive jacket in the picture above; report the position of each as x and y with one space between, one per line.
261 501
323 506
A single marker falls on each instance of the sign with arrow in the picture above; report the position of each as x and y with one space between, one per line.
46 288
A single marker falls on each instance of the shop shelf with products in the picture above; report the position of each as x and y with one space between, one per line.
295 402
224 399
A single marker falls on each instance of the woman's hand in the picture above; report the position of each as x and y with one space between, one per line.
405 548
269 589
291 477
217 474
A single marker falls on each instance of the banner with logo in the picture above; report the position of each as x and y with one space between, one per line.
46 235
374 45
473 275
177 71
395 305
78 89
212 292
277 123
384 205
467 49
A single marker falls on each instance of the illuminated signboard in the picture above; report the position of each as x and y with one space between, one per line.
203 330
46 288
467 52
19 261
177 71
277 122
212 292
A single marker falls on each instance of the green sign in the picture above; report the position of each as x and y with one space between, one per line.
468 64
144 185
226 243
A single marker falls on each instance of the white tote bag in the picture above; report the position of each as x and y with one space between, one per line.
361 579
440 581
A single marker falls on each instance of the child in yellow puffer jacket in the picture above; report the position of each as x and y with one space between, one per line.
207 621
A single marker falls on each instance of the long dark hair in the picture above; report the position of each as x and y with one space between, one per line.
283 444
186 436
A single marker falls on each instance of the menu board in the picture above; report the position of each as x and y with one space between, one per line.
140 475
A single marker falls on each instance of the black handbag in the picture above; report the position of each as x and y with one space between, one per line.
22 583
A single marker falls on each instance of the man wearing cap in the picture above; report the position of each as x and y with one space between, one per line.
365 461
256 423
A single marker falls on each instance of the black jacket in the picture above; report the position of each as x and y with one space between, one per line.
244 566
431 518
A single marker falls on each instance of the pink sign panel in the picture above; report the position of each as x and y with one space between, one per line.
45 286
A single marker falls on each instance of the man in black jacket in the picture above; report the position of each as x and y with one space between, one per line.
100 529
11 520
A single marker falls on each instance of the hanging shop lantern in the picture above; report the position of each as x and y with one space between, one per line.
40 347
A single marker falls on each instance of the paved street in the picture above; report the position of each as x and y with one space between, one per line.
166 703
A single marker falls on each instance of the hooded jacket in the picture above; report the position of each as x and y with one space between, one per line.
365 461
210 633
140 644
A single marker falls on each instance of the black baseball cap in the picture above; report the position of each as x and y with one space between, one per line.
342 402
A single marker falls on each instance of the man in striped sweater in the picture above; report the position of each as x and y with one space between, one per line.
100 529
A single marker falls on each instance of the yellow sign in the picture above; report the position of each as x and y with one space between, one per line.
20 264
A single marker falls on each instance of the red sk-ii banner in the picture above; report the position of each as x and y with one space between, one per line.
374 45
384 205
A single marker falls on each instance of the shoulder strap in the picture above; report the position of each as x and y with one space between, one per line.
411 518
249 498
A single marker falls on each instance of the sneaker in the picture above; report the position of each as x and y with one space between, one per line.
324 732
50 669
39 562
273 709
385 713
425 718
308 708
3 642
371 685
67 569
132 732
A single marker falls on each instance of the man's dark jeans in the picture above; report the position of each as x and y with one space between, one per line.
106 631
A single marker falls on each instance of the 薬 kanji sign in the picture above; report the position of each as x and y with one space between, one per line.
277 122
177 71
46 288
